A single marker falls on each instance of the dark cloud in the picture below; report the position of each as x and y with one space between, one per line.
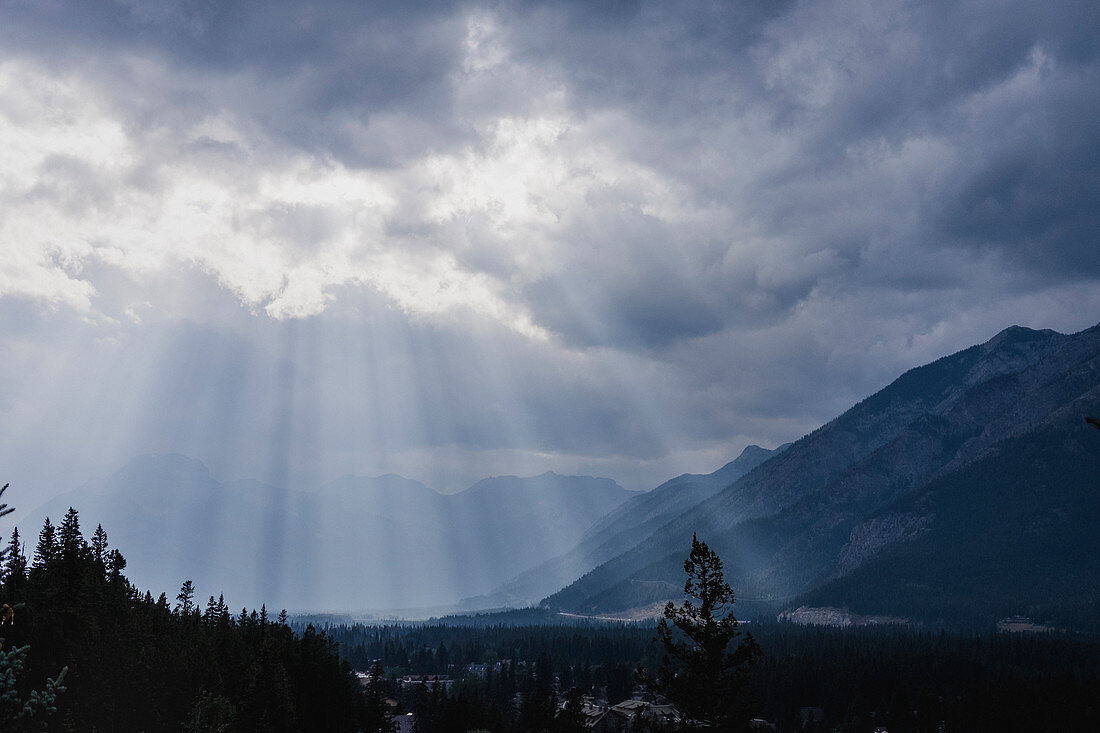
739 219
1029 190
297 69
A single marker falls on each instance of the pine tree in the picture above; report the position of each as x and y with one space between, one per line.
211 714
571 717
15 564
223 611
46 551
7 553
705 680
379 717
184 599
17 713
99 547
116 563
70 541
4 511
538 706
424 713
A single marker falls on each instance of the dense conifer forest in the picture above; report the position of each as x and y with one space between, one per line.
138 663
808 679
130 662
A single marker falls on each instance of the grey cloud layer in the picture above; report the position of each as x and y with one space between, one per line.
628 229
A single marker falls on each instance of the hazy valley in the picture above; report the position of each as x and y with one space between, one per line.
961 493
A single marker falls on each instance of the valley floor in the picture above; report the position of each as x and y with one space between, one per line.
809 678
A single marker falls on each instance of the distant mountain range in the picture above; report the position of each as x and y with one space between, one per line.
355 544
965 491
620 529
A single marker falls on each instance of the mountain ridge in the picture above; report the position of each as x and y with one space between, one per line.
782 526
344 546
619 529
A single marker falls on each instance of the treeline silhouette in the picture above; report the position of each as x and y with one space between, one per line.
521 675
138 663
906 680
436 648
809 679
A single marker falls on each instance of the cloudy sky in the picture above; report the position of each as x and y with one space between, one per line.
451 240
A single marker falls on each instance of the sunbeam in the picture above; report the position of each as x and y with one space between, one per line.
469 242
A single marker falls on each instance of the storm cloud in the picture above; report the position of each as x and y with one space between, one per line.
296 240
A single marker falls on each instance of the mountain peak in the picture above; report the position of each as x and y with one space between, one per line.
1015 335
982 448
387 482
751 456
166 464
542 482
751 450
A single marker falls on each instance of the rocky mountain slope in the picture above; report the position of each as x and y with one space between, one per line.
620 529
824 508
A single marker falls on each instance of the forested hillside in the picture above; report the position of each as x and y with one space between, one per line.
1014 531
135 663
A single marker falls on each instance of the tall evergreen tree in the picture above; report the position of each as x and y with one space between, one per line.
379 717
17 713
15 563
571 717
185 599
6 552
211 714
224 617
424 712
116 563
45 552
704 677
70 541
99 547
